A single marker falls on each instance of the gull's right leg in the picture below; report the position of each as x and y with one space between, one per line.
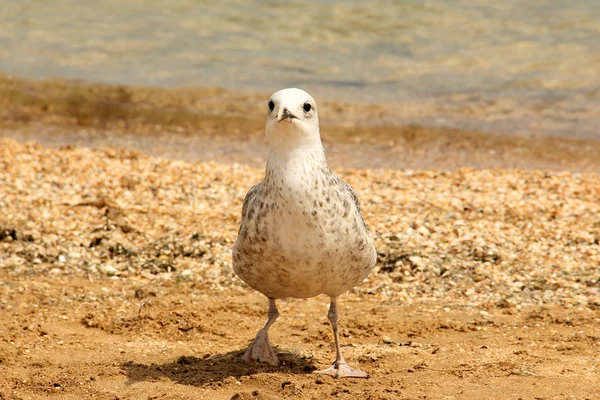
260 350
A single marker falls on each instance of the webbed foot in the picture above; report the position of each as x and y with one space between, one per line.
260 350
342 370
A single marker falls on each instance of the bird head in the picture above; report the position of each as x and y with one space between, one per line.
292 118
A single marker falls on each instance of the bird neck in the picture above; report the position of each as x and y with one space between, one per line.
293 165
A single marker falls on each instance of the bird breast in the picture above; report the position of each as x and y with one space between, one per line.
303 237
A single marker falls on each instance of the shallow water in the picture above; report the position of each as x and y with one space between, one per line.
515 67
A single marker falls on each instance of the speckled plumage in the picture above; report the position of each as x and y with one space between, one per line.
304 240
302 233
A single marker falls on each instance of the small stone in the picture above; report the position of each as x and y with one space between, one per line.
185 274
290 389
424 231
107 270
503 303
417 262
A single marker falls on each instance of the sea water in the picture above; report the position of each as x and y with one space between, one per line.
508 67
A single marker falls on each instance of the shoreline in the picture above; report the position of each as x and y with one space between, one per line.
216 124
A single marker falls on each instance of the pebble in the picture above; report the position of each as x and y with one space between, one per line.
107 270
186 274
423 231
446 236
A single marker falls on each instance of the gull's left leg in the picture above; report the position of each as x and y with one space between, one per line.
339 369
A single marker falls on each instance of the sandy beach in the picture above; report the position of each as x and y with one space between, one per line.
115 263
130 132
120 205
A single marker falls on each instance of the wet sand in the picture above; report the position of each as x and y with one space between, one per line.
225 126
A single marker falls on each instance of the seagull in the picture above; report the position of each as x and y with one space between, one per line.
302 233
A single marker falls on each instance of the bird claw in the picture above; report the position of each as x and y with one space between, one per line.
342 370
261 351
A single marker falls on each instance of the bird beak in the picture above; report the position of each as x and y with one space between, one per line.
285 114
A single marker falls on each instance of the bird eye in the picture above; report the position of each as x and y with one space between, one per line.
271 105
307 107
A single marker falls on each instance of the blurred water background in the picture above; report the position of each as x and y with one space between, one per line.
507 67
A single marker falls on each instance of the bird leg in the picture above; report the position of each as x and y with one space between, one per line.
340 368
260 350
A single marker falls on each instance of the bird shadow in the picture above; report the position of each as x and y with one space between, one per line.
197 371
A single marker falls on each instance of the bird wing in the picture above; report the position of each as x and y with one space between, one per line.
249 196
352 194
354 198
